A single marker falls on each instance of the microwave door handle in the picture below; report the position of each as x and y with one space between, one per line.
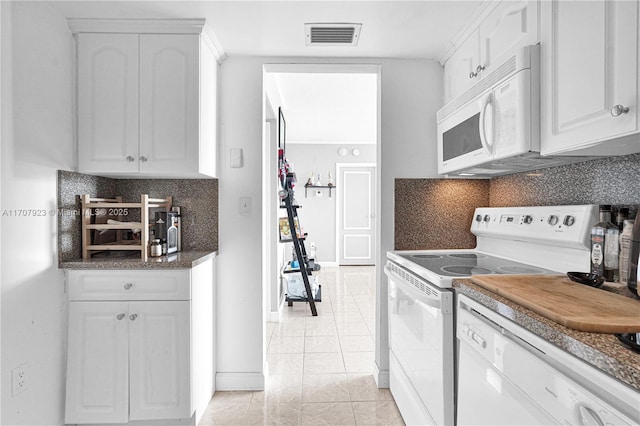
486 144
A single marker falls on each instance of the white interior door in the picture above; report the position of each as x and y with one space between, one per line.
356 218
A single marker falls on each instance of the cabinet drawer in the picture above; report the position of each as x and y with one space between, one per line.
129 285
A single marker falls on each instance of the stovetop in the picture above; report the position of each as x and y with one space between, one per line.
463 264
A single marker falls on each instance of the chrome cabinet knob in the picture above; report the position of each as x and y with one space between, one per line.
143 159
473 74
479 68
618 110
128 286
120 316
133 317
130 159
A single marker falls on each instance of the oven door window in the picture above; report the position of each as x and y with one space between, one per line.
416 337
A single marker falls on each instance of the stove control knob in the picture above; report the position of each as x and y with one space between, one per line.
528 219
569 220
553 220
479 218
487 218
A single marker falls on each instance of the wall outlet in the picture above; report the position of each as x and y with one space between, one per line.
19 379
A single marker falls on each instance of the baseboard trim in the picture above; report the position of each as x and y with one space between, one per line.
274 316
381 376
240 381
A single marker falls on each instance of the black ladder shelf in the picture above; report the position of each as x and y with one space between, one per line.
306 265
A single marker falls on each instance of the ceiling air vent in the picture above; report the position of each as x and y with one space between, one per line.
332 34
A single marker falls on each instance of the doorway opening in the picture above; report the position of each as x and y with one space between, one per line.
332 115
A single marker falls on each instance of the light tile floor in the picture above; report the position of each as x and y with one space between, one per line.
320 368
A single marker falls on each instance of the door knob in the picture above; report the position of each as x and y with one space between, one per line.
618 110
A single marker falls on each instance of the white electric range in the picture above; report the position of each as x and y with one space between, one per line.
422 341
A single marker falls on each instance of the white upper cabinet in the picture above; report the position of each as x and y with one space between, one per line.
146 101
589 77
108 102
510 26
460 69
502 29
168 102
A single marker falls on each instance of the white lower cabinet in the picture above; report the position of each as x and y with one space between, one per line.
140 360
97 363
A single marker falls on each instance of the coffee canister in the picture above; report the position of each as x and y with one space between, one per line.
155 250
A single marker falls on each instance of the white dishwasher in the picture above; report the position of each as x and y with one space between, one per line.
509 376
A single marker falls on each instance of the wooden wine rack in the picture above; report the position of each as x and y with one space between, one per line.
116 206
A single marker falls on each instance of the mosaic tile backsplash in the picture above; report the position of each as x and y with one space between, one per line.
612 180
436 213
198 199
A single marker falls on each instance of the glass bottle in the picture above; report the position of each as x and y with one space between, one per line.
604 246
625 250
621 216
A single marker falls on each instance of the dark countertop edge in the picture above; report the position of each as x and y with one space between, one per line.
602 351
183 260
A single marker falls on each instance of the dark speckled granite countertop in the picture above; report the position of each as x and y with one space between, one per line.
602 351
179 260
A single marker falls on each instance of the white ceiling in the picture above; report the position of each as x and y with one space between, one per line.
390 29
326 108
329 108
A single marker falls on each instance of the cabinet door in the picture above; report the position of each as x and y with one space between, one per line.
510 26
460 66
97 363
159 360
107 103
169 103
589 58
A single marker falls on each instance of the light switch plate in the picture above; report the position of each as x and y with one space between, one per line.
236 158
245 205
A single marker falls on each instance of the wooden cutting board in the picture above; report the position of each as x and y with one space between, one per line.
576 306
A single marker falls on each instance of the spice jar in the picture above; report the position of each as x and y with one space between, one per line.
155 250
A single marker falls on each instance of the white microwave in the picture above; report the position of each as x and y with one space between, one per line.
494 127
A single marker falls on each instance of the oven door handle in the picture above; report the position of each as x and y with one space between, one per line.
441 301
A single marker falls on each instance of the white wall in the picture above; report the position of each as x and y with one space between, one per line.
318 215
240 307
37 139
411 94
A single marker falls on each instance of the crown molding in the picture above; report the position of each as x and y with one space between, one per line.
141 26
466 30
210 39
150 26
